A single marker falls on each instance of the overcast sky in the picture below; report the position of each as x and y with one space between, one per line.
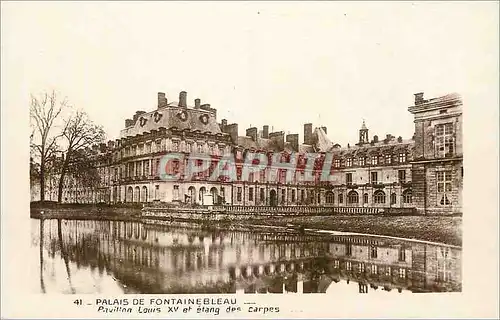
282 64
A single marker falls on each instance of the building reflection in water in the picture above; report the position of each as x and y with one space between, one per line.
129 257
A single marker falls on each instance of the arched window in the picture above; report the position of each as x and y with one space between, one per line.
329 197
341 198
144 194
352 197
201 195
192 194
130 194
393 198
407 196
379 196
365 198
137 194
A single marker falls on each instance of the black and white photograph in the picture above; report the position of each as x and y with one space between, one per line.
250 159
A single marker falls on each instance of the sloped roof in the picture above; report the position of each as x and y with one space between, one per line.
170 117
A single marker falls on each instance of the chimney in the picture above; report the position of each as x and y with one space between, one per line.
419 98
278 138
400 139
232 129
252 132
375 139
308 133
224 122
293 139
129 123
162 100
197 103
182 99
265 132
111 144
324 129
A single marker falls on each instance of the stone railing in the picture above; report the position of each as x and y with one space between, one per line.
274 210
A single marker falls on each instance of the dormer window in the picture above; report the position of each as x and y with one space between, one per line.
204 118
337 163
388 159
402 157
374 160
348 162
157 116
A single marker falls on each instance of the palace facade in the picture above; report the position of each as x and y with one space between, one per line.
424 172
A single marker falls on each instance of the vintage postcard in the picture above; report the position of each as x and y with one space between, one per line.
249 159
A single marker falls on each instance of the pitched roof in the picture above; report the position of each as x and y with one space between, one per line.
172 117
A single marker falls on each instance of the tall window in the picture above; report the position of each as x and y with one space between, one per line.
401 254
402 175
402 273
329 197
365 198
348 265
293 195
348 249
402 157
393 198
250 194
336 163
407 196
444 140
283 195
349 162
341 198
374 177
361 267
238 194
374 160
362 161
379 196
373 252
302 195
348 178
352 197
444 187
176 193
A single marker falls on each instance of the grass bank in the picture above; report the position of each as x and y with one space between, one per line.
443 229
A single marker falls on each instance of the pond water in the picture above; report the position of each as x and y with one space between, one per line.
115 257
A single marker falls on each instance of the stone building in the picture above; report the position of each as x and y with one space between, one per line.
437 167
389 173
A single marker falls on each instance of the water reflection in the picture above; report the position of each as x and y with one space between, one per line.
128 257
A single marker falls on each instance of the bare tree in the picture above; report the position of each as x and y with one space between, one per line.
44 111
79 133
